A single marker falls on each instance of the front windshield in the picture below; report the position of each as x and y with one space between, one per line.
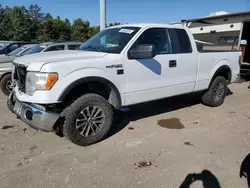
110 40
16 51
35 49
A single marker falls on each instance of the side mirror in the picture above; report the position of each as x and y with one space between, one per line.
144 51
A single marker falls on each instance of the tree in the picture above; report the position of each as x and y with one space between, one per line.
6 31
48 17
36 16
80 30
94 30
45 33
61 29
21 23
55 29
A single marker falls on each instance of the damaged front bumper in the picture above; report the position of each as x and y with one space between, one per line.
34 115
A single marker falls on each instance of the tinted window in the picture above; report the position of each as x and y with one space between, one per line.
55 48
34 49
13 47
73 46
180 41
16 51
157 37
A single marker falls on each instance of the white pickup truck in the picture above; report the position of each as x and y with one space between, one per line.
79 91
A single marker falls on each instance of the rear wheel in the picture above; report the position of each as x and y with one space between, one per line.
216 93
6 84
88 119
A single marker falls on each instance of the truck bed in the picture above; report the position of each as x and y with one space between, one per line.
213 61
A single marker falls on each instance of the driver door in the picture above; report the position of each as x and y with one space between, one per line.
150 79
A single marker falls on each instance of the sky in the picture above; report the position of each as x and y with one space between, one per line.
134 11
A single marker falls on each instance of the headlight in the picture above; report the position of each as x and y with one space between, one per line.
39 81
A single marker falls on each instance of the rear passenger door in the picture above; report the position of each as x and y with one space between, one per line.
187 60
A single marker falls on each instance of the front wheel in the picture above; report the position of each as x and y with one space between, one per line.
88 119
216 93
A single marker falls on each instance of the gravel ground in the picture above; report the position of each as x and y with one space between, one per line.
157 144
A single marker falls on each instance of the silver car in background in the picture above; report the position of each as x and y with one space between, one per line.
51 46
17 52
6 66
6 83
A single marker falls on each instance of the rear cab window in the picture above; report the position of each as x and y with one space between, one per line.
180 41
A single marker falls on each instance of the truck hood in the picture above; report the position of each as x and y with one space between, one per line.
50 57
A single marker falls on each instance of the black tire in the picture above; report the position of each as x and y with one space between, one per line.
4 83
209 98
71 113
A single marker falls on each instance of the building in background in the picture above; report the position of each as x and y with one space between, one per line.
224 31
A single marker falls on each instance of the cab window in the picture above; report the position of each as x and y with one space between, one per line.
157 37
55 48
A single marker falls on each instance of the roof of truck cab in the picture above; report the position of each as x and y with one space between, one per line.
143 25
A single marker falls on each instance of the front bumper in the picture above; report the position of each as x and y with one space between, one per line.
36 118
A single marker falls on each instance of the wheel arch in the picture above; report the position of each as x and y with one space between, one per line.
114 97
224 71
4 74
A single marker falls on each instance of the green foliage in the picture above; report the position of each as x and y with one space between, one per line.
36 16
21 23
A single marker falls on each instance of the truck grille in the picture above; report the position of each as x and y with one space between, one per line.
20 76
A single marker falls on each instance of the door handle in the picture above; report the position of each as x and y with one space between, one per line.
172 63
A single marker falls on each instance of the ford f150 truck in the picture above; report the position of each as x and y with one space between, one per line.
79 91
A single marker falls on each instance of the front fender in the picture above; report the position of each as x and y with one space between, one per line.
72 77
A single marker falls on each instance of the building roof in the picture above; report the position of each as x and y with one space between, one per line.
219 16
